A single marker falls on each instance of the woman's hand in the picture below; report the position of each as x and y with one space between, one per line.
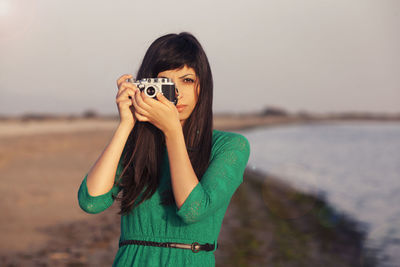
162 113
124 100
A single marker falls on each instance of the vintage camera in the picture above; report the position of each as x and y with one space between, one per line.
151 86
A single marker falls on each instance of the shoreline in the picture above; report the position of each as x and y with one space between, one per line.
282 226
24 127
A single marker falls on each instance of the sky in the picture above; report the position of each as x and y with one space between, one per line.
64 57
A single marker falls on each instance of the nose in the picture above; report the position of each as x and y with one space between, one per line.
178 94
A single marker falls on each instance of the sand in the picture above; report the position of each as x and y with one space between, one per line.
42 164
40 177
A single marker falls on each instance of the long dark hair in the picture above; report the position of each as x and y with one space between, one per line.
143 152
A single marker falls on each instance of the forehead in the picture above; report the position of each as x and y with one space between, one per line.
179 72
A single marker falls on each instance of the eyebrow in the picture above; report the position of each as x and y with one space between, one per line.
187 75
182 76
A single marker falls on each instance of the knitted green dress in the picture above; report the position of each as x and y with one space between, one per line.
198 220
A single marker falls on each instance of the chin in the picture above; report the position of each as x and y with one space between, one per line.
182 119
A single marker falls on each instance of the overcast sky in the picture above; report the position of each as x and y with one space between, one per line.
300 55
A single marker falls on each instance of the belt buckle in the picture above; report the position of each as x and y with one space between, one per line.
193 247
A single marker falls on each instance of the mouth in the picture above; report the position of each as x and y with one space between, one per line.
180 108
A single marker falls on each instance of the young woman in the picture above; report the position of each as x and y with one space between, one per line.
175 173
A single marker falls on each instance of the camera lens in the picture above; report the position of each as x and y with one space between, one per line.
150 91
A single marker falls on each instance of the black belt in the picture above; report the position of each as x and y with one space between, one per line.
195 247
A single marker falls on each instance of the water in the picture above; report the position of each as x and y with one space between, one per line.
356 165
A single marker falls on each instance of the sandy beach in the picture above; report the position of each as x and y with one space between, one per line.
40 175
42 164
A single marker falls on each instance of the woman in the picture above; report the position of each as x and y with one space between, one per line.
176 174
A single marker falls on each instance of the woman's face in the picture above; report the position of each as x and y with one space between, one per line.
186 81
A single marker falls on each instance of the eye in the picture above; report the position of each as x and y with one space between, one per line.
188 80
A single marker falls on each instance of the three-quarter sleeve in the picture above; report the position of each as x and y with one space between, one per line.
96 204
218 184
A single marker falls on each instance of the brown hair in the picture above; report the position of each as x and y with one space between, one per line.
143 152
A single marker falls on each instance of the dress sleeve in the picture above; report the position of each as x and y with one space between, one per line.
97 204
218 184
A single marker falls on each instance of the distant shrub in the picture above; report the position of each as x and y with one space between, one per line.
37 117
274 111
90 114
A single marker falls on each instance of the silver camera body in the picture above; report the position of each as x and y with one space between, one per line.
151 86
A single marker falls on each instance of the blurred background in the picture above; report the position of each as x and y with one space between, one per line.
314 85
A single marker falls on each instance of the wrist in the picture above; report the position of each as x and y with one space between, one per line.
125 127
173 130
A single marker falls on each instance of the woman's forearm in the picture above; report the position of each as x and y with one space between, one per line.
101 176
183 177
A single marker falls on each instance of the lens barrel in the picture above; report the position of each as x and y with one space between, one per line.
150 91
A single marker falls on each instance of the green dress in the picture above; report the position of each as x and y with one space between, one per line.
198 220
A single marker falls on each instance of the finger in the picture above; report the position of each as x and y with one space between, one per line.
123 79
150 101
127 85
138 108
141 117
124 105
140 100
163 99
127 92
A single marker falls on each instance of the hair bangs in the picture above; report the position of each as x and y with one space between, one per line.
175 54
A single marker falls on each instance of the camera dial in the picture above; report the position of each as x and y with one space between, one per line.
151 86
